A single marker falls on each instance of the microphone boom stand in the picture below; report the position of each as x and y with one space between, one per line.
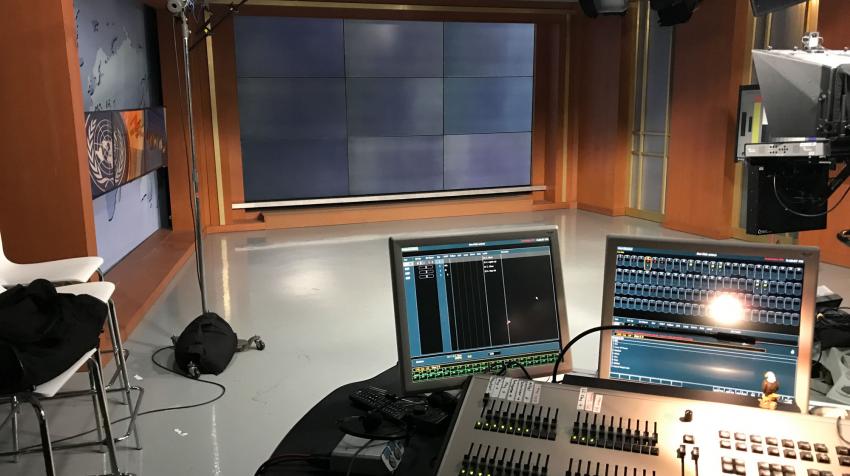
196 199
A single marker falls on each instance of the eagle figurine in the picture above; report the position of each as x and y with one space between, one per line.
769 389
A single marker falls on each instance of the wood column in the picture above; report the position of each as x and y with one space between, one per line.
833 25
709 55
602 53
44 180
174 99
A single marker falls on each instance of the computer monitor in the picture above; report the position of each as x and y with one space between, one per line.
466 304
763 293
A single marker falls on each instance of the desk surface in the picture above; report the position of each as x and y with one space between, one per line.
317 433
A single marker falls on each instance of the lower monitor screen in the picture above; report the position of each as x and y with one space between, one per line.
473 306
703 363
756 297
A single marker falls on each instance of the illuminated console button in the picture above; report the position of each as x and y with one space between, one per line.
740 436
772 441
741 446
757 449
790 454
806 456
688 439
755 439
725 444
842 450
773 451
844 460
804 445
787 443
823 458
821 448
724 434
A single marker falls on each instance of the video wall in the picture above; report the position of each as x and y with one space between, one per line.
338 108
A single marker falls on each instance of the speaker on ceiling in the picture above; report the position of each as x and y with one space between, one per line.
673 12
594 8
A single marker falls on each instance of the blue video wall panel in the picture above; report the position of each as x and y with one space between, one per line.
488 105
380 165
292 108
276 47
282 169
379 107
489 49
334 108
486 160
393 49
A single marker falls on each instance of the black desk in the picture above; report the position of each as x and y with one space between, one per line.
317 433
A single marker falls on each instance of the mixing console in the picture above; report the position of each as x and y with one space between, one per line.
513 427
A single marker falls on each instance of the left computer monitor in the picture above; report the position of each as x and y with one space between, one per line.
471 303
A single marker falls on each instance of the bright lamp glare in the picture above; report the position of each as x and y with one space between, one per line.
726 308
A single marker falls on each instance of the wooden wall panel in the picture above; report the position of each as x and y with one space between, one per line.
708 60
44 181
174 99
601 54
171 71
834 25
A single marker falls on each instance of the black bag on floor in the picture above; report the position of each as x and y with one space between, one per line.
206 346
43 332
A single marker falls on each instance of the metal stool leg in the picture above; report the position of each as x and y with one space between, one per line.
94 369
118 354
97 421
15 443
121 362
46 446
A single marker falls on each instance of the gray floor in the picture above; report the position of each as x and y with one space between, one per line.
321 299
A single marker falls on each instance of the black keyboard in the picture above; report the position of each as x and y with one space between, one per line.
399 409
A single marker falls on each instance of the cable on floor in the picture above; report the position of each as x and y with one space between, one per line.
221 387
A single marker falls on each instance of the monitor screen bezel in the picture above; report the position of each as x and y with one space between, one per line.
809 255
400 304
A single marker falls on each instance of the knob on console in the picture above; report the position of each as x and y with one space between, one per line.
687 417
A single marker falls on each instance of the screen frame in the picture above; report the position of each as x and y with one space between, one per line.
809 255
400 304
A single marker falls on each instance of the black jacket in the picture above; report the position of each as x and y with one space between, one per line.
43 332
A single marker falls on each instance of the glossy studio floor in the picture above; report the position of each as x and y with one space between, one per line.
321 299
